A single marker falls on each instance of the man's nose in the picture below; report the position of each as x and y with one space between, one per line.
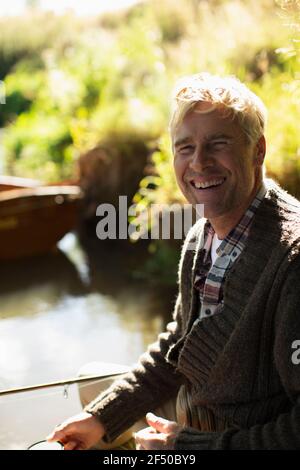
201 160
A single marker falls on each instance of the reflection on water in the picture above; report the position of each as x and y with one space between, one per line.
29 286
60 311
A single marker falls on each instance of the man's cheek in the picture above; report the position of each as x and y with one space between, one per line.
179 175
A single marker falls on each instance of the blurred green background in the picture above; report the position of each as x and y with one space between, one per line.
74 83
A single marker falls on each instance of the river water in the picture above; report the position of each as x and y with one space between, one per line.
60 311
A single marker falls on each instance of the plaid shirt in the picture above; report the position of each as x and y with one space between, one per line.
209 279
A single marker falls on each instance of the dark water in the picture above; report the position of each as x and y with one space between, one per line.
60 311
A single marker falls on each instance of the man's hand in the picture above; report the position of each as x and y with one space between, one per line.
161 434
80 432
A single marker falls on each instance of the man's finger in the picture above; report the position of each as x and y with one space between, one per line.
149 441
56 436
159 424
71 445
143 434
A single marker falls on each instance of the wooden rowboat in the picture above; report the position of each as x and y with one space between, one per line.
14 182
33 219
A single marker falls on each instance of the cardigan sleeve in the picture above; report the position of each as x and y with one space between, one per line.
149 384
283 432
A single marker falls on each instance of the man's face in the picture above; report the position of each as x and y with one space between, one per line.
214 164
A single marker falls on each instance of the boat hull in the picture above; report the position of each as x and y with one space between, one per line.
33 220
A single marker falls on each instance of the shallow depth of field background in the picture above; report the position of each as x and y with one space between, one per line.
75 82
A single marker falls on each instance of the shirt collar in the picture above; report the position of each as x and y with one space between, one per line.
237 237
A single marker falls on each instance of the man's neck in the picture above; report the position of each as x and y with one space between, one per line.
223 224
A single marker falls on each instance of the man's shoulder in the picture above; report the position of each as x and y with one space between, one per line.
279 217
281 208
281 198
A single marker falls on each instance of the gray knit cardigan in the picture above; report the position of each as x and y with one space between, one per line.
237 363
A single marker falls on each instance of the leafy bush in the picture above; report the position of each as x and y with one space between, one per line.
24 38
39 145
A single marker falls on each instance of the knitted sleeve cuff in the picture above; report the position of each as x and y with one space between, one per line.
112 426
192 439
114 416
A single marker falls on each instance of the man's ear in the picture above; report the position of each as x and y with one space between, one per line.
260 150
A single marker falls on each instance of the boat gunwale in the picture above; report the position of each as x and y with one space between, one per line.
41 191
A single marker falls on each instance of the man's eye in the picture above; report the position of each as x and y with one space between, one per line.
186 149
219 144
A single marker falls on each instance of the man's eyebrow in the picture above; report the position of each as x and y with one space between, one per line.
218 135
188 139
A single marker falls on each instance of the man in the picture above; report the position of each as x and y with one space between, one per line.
226 359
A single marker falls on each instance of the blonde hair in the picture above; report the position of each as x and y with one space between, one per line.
228 94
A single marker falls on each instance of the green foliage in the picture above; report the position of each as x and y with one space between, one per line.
39 146
162 264
282 98
160 186
25 38
21 89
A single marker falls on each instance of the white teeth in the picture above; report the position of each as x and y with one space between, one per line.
208 183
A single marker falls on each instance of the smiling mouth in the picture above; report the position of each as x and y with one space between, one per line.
208 184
